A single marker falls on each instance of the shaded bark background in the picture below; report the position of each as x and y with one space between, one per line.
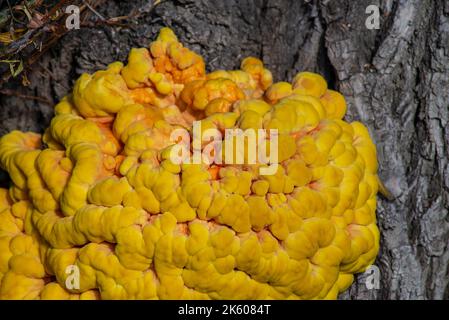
395 80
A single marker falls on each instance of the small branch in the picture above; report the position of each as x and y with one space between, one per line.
93 10
8 92
115 21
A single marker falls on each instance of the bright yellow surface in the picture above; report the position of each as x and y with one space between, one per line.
98 190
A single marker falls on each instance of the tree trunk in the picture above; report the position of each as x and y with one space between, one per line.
395 80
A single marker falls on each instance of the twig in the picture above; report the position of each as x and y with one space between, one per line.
93 10
34 42
114 21
9 92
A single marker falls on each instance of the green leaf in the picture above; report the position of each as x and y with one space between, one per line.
14 71
18 70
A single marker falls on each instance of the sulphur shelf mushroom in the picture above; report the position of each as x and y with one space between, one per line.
97 209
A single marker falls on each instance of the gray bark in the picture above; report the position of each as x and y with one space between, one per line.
395 80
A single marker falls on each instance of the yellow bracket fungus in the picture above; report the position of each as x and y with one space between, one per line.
98 194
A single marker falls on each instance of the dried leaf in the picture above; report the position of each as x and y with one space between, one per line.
36 21
25 81
6 38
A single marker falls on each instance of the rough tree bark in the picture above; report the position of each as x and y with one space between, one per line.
396 81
